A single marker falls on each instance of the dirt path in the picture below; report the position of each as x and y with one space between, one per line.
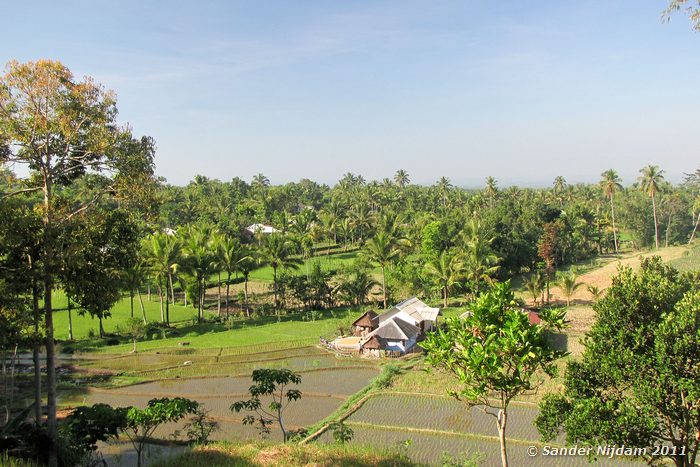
602 277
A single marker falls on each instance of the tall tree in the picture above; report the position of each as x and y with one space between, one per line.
495 353
162 255
401 178
381 249
610 184
447 269
231 254
276 251
199 258
60 128
637 383
651 182
491 189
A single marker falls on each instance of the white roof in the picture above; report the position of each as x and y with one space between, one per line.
261 228
417 309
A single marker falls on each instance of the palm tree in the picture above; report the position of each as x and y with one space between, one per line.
480 261
610 184
381 249
162 255
276 251
401 178
559 186
246 264
199 259
357 287
447 268
569 285
231 253
651 182
491 189
133 279
535 285
595 292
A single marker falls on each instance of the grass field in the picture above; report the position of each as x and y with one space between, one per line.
120 313
328 263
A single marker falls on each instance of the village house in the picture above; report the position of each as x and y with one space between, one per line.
397 330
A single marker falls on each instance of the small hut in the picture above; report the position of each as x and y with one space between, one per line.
365 324
373 346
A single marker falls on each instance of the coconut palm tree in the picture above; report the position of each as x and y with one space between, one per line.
569 285
401 178
162 255
246 264
231 253
199 257
491 189
535 285
559 186
480 262
447 269
381 249
651 182
276 251
610 184
356 287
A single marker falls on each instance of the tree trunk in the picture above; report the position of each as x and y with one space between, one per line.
245 294
384 286
134 339
162 310
228 285
218 295
131 297
35 354
70 320
102 329
612 213
167 309
668 229
172 288
692 236
501 423
51 424
656 222
274 279
445 295
143 310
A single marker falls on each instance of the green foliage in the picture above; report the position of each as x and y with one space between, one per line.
141 423
341 432
200 427
87 425
270 383
638 383
495 352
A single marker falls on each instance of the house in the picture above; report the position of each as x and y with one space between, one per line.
397 330
261 229
365 324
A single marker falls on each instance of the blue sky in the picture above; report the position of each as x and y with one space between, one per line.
522 91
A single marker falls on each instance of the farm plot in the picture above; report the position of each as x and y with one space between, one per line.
432 447
323 391
443 413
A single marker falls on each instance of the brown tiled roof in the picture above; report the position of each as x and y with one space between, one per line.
367 320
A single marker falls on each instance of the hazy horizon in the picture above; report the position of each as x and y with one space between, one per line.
466 90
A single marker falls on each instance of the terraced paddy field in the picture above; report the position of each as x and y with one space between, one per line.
428 427
216 378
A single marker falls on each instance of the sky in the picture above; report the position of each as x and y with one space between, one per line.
521 91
